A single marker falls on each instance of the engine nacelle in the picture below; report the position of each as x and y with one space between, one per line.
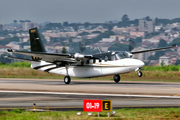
128 54
78 56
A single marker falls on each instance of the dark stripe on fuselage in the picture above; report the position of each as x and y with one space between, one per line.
38 67
47 70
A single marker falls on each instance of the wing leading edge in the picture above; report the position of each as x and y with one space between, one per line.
163 48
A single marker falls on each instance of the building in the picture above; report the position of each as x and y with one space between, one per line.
141 56
108 40
28 25
1 27
137 33
117 37
146 26
164 60
14 45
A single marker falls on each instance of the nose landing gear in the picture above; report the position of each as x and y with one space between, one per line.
117 78
140 74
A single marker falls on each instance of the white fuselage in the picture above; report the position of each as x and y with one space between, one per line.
92 69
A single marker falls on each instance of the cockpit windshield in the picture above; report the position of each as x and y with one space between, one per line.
122 55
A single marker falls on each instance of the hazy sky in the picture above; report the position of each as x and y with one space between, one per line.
85 10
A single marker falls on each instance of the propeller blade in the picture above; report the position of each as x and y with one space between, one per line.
132 45
82 47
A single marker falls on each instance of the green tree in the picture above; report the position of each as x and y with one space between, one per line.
51 26
138 39
8 40
159 53
177 62
110 27
162 43
86 24
166 34
3 59
96 32
125 18
65 23
147 18
176 41
63 50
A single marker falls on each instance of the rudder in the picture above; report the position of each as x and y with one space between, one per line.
35 41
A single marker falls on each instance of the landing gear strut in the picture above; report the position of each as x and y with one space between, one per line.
117 78
67 79
140 73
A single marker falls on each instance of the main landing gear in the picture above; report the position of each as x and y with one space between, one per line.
67 79
117 78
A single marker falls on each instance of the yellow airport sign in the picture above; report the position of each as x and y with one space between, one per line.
106 105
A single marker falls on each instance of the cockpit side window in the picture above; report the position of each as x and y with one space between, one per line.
113 58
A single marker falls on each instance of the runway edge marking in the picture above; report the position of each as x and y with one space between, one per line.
89 94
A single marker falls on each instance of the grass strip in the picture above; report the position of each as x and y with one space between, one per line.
121 114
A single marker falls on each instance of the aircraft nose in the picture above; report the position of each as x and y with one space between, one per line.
139 63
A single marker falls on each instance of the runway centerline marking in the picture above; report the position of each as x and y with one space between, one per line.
90 94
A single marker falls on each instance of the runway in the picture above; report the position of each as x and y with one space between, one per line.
54 94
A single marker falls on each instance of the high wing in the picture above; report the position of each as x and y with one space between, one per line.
163 48
52 57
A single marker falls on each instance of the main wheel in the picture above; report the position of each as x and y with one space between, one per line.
116 78
140 74
67 79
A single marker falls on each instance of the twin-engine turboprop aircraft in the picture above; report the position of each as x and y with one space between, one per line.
80 65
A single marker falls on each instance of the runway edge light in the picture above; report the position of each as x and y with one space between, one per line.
79 113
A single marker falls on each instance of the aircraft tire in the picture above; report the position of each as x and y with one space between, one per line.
117 78
140 74
67 79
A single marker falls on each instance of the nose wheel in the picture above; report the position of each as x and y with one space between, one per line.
140 74
117 78
67 79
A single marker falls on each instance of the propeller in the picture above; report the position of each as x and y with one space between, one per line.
82 47
132 45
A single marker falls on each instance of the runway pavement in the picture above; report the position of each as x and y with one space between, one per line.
54 94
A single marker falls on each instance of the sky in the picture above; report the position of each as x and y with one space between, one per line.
94 11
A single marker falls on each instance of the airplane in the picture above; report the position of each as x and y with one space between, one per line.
80 65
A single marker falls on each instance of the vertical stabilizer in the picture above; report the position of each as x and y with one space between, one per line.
35 41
